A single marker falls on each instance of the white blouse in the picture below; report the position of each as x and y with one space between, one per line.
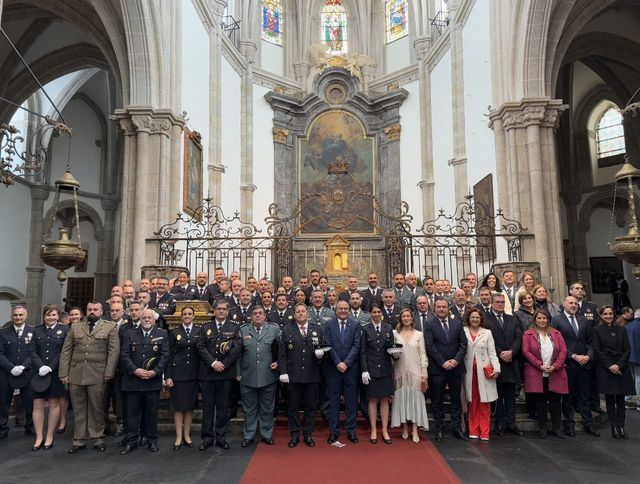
546 351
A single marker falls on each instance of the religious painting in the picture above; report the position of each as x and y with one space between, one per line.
484 219
336 176
272 21
333 25
396 16
604 270
192 175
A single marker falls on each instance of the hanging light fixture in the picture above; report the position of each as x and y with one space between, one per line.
63 253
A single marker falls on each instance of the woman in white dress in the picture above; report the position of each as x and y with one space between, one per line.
410 376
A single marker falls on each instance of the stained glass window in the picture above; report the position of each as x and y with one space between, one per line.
272 21
333 22
396 15
610 134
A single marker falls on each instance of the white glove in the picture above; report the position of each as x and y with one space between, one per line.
44 370
319 353
22 368
284 378
16 371
366 378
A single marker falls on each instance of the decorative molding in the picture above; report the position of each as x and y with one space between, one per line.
530 111
233 56
217 167
457 161
210 13
280 135
401 77
393 132
134 119
248 187
438 49
275 81
424 184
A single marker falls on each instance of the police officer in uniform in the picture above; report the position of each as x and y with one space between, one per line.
299 364
281 314
259 343
181 375
162 302
144 356
89 358
219 349
241 314
182 290
15 368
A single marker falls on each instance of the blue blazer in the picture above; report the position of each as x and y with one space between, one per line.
440 349
345 349
633 331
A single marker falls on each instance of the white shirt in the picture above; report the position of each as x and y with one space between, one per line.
546 351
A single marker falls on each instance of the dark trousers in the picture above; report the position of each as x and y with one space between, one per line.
6 396
215 402
506 404
141 419
438 385
594 398
305 396
343 384
323 393
615 410
578 397
114 400
547 400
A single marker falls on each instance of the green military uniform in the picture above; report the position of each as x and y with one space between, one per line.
257 379
88 358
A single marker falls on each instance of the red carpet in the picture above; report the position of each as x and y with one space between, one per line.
402 461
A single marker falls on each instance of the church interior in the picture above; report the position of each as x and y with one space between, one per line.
332 121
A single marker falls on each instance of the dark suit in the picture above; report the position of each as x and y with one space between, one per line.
216 386
370 298
296 358
286 318
441 348
189 293
507 337
164 305
345 347
142 396
420 319
15 351
579 376
208 293
391 317
240 315
457 313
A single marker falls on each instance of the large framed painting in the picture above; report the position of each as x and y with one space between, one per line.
336 176
603 271
192 176
484 219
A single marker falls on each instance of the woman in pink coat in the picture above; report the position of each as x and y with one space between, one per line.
545 377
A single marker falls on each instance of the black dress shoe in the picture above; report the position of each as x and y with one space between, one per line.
268 441
614 432
570 432
246 443
373 441
499 430
187 444
588 429
293 442
99 447
458 434
223 444
386 441
36 448
623 435
75 449
153 446
352 438
128 449
557 434
47 447
61 431
142 442
205 445
309 441
516 431
439 436
177 447
332 438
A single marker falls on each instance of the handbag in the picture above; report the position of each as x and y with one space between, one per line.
488 371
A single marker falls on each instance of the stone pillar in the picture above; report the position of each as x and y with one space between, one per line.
459 161
215 169
148 182
35 267
427 183
527 167
302 71
248 49
104 274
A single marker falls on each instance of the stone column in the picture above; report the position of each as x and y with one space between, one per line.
527 168
35 267
148 184
248 49
459 161
427 183
104 274
302 71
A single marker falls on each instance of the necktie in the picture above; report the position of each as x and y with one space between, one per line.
188 331
445 328
355 314
430 301
378 328
91 326
509 292
19 331
342 324
244 312
501 320
146 335
303 330
201 291
219 327
574 325
318 313
281 315
424 320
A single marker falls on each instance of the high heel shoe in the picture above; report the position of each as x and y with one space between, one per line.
36 447
61 430
386 440
405 436
47 447
373 441
177 446
187 444
416 439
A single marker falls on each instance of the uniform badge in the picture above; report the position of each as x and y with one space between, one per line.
313 333
179 337
452 316
290 346
290 317
247 336
209 332
155 348
59 332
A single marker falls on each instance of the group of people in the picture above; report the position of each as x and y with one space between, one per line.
319 349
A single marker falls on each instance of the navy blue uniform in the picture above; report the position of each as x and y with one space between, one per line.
47 346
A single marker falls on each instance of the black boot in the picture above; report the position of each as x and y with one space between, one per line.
622 434
614 432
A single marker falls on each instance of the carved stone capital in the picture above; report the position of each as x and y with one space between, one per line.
301 70
544 112
135 119
248 187
39 193
457 161
146 123
425 184
216 167
422 45
248 49
280 135
127 127
393 132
